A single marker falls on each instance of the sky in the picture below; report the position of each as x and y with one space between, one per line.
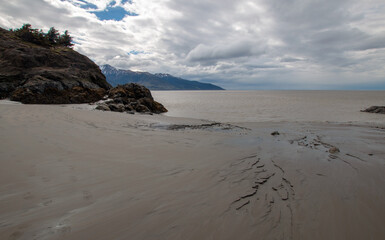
243 44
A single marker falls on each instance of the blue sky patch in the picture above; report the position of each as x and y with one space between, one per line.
89 6
126 1
113 13
134 52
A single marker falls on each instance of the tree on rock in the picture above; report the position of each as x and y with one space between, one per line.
65 39
49 39
27 33
53 35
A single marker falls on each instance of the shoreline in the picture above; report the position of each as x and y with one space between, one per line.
265 106
164 117
71 173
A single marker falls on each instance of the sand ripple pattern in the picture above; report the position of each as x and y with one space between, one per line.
268 197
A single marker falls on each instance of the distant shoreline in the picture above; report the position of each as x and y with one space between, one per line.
273 106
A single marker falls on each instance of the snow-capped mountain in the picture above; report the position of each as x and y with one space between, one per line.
158 81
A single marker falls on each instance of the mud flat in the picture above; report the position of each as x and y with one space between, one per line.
73 173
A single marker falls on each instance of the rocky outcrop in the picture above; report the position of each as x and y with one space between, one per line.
375 109
31 73
131 98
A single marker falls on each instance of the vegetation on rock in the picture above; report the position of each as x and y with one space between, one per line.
50 39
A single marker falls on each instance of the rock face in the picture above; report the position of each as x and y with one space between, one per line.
131 98
375 109
31 73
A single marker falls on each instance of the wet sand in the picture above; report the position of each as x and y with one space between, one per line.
70 173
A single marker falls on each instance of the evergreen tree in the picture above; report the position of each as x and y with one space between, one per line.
51 38
42 38
53 35
65 39
25 32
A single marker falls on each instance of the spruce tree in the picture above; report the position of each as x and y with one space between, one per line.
50 39
65 39
52 35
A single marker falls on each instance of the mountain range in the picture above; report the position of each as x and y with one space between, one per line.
158 81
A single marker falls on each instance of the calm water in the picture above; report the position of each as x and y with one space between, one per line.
261 106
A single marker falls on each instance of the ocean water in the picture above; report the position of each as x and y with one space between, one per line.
273 106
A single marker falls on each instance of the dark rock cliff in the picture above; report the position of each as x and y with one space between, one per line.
30 73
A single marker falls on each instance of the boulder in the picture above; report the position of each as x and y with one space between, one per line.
129 91
132 97
116 107
32 73
142 108
103 107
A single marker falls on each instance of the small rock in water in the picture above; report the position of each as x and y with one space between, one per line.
275 133
334 150
375 109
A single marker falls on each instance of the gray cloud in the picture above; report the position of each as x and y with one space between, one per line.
325 32
291 59
236 44
229 51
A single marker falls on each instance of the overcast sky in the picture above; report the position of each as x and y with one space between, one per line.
243 44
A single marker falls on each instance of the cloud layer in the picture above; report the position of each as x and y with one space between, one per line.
260 44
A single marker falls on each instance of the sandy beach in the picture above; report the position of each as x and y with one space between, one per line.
72 173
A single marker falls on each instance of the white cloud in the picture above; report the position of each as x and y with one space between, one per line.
236 44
